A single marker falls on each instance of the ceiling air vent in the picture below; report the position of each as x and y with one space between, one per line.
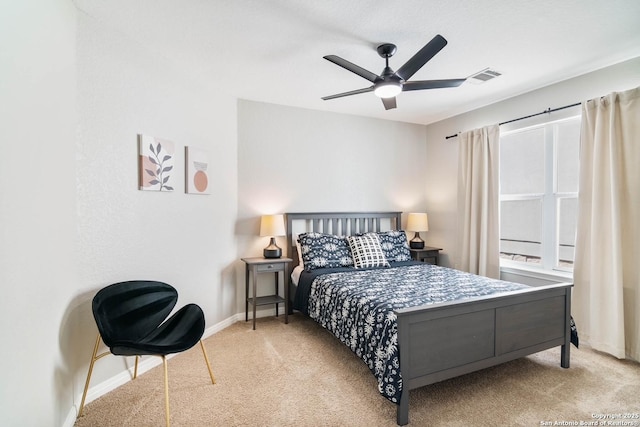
483 76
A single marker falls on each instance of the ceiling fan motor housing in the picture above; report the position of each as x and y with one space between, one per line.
388 84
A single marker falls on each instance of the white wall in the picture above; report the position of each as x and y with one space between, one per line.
124 234
38 271
297 160
74 94
442 154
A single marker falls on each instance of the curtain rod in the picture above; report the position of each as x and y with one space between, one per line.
548 110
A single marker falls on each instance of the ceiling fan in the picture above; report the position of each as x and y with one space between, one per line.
390 83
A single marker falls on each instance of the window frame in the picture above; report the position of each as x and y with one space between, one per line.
550 262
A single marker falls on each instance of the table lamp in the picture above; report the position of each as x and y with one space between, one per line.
417 222
272 226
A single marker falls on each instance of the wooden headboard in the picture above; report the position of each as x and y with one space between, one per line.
339 223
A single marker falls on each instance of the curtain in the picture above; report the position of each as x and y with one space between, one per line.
607 259
478 201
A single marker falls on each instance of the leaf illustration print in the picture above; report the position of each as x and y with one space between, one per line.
156 157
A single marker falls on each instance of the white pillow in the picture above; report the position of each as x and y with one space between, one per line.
295 274
299 250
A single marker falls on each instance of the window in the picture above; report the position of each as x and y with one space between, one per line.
539 195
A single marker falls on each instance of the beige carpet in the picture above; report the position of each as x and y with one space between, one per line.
300 375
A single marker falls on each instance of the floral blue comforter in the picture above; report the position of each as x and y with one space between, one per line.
358 307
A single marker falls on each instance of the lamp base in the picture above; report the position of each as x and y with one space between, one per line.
416 242
272 251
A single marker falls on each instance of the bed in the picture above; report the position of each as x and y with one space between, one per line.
426 334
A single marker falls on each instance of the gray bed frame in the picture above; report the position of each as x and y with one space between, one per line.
441 341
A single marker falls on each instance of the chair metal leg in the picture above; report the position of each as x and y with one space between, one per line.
166 391
86 384
94 356
135 369
206 359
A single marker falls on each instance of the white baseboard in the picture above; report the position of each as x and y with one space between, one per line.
145 364
71 417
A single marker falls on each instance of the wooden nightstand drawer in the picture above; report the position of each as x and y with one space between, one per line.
276 266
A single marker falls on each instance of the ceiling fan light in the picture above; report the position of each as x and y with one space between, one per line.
387 89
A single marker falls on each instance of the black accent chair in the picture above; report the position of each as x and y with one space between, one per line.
131 321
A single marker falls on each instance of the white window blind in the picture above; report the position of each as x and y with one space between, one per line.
538 195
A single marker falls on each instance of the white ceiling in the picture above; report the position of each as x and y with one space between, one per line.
272 50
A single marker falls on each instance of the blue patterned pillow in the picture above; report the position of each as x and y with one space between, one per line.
321 250
395 245
366 251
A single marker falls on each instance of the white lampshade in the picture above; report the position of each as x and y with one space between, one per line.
272 225
418 222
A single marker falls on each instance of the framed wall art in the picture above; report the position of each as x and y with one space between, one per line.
196 169
156 159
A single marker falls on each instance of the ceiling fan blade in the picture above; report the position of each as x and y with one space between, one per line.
352 67
422 57
389 103
353 92
431 84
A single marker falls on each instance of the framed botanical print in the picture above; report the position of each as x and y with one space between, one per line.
156 158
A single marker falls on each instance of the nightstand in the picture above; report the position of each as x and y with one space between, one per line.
259 265
427 254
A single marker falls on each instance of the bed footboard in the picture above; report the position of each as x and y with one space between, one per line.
443 341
